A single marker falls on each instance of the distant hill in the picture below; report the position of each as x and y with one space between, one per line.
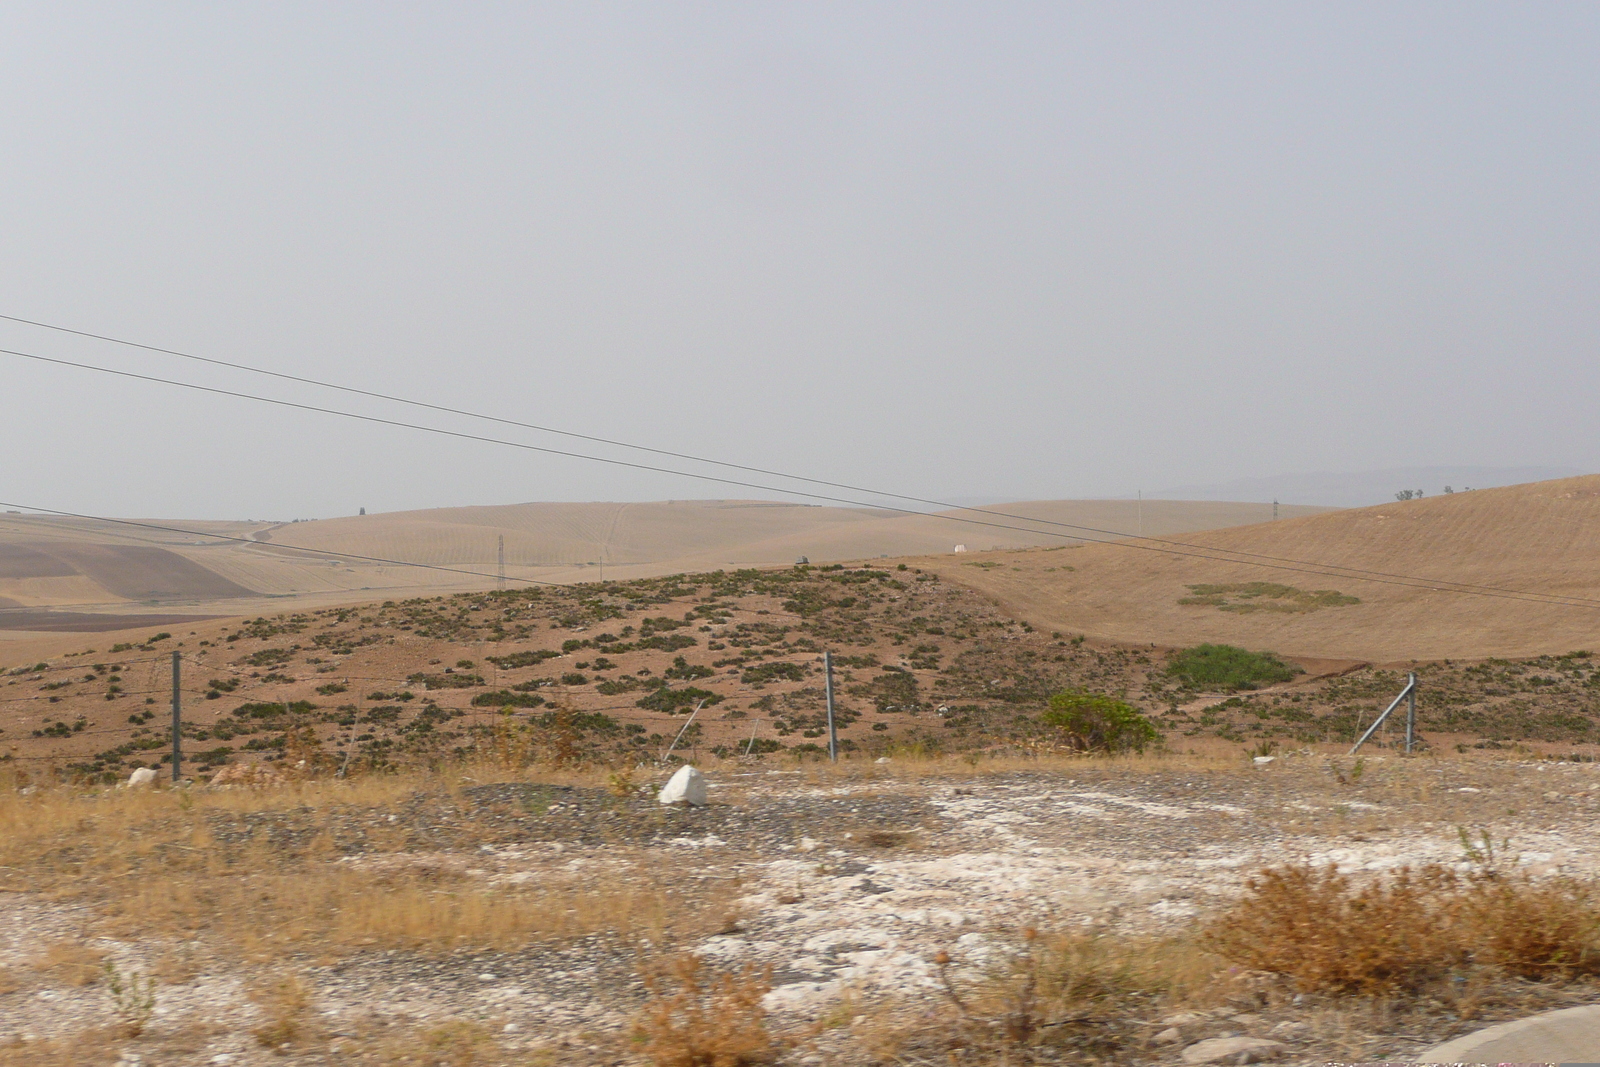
1358 489
1538 538
52 563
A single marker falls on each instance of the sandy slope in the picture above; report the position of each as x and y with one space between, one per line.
56 562
1543 537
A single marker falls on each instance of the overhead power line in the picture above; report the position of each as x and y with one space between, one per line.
886 494
1166 547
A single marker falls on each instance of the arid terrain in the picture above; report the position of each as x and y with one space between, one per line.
53 570
433 836
880 913
1539 544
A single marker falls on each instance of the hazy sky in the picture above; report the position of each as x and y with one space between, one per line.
1011 250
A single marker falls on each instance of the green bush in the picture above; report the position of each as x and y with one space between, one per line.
763 673
678 700
1092 722
683 670
505 698
522 659
1227 669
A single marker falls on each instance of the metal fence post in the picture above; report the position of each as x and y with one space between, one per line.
177 720
1411 713
833 732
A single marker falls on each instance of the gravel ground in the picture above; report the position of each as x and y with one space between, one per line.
845 888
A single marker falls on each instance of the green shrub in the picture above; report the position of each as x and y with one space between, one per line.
1227 668
1248 597
446 681
505 698
763 673
676 700
683 670
264 710
523 659
894 690
1092 722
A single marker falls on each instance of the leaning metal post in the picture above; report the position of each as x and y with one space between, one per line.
1411 720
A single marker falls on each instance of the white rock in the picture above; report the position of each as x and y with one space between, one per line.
885 759
1233 1050
142 776
809 844
1183 1018
1262 761
1170 1036
687 786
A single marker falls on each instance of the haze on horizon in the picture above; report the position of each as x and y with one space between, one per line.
1035 251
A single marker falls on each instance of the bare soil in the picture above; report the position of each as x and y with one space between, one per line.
1542 538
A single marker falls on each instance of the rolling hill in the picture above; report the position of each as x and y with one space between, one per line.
1542 539
242 567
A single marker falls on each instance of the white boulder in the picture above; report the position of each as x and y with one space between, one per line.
142 776
1233 1050
687 786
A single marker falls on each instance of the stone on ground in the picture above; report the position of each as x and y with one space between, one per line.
687 786
142 776
252 774
1233 1050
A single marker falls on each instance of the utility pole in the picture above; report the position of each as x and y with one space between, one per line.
1274 511
833 732
1141 513
177 720
500 551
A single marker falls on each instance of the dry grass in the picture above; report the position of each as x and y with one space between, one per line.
1058 990
69 963
98 1045
149 866
696 1019
284 1002
1404 932
335 909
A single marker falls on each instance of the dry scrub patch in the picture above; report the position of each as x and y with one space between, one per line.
180 864
698 1018
69 963
1407 931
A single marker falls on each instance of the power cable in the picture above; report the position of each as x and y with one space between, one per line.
1347 571
1166 548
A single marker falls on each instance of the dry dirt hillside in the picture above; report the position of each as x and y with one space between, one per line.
50 564
711 534
1542 538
